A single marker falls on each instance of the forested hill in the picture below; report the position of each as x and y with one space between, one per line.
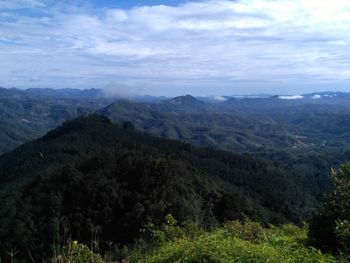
92 172
28 114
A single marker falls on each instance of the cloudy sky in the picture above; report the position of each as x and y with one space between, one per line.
176 47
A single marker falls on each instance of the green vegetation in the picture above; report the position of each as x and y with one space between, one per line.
97 175
77 253
109 186
307 137
330 229
190 120
235 242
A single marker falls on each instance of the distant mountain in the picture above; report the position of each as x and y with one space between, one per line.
92 172
182 104
187 100
91 94
28 114
316 97
53 94
242 124
255 125
189 119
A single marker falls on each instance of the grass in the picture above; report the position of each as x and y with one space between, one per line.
238 242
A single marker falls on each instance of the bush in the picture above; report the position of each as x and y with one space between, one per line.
238 242
78 253
249 231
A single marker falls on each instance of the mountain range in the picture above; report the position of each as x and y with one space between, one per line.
92 172
87 160
248 124
307 133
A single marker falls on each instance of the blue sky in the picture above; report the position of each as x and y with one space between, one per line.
134 3
204 47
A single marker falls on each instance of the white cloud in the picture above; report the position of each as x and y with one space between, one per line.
316 97
220 98
214 43
20 4
292 97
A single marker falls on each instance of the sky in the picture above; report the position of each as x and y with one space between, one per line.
203 47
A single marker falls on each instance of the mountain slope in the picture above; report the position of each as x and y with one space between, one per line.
188 119
308 135
28 114
92 172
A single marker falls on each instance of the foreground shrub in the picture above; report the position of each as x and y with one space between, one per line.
78 253
249 231
237 242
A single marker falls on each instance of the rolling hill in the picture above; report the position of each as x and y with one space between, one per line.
90 172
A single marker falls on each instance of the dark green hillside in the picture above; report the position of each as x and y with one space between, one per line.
92 172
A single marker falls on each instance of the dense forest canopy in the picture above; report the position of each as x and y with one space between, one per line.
132 163
92 172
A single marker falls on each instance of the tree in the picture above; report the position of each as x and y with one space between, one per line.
330 229
127 125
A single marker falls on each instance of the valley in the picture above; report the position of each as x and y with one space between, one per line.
121 164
